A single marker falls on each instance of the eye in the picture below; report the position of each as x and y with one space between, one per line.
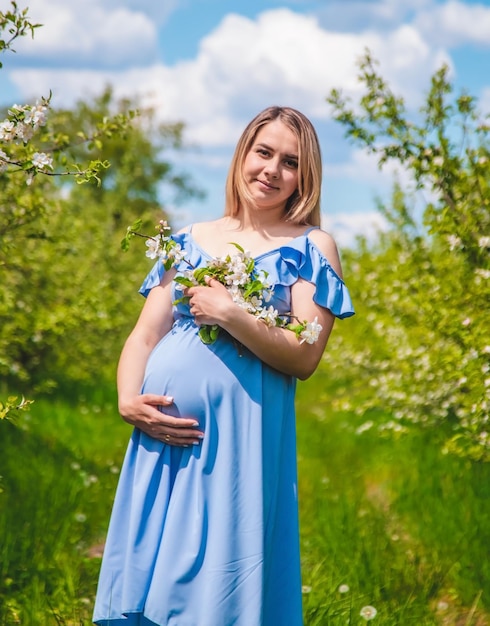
263 152
292 163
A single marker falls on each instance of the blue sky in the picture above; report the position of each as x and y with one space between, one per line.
213 64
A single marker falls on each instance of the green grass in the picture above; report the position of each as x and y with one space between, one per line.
404 526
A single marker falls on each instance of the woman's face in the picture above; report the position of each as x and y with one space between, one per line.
270 168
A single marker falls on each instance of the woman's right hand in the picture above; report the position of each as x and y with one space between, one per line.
142 412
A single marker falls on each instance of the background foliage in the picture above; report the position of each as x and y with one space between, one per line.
66 291
72 287
419 345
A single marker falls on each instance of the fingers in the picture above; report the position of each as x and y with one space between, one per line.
174 435
176 431
153 398
176 439
146 412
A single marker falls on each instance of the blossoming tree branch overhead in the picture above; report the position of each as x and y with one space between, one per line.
248 287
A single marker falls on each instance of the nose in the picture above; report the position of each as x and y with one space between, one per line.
272 168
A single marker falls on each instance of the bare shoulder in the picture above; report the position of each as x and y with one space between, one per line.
207 228
202 227
326 244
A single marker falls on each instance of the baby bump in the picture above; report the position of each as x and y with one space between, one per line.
196 375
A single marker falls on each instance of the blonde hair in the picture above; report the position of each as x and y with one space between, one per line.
303 206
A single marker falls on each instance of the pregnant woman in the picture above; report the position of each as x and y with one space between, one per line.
204 528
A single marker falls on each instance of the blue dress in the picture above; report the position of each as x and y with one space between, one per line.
208 535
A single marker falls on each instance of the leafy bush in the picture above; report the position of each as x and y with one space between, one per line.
66 291
422 349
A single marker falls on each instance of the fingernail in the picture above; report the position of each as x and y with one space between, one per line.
169 398
196 443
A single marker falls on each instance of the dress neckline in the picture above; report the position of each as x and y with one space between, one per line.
259 256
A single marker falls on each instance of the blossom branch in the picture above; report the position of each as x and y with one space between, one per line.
250 289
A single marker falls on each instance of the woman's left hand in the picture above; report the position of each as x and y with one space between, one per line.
211 304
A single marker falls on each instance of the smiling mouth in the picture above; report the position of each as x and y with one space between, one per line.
266 184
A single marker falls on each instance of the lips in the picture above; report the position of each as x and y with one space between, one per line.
264 183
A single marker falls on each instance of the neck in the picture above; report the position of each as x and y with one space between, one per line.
256 219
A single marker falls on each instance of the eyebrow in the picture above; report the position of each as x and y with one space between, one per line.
264 145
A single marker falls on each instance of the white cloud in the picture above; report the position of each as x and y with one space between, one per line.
484 101
344 228
80 34
156 11
454 23
363 167
242 66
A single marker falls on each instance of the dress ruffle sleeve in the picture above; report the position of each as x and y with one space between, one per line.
304 260
157 272
300 258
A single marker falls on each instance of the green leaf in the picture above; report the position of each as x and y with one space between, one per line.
183 300
209 334
183 280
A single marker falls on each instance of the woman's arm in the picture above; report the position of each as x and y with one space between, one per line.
278 347
141 410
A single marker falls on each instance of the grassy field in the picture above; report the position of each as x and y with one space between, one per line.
391 524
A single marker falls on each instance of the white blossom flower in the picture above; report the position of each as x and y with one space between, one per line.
364 427
344 589
454 242
7 131
368 612
189 274
163 225
484 242
41 160
263 277
3 161
438 161
176 253
24 132
268 315
153 244
243 304
267 295
482 273
255 303
17 108
36 116
218 262
235 292
312 331
237 271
